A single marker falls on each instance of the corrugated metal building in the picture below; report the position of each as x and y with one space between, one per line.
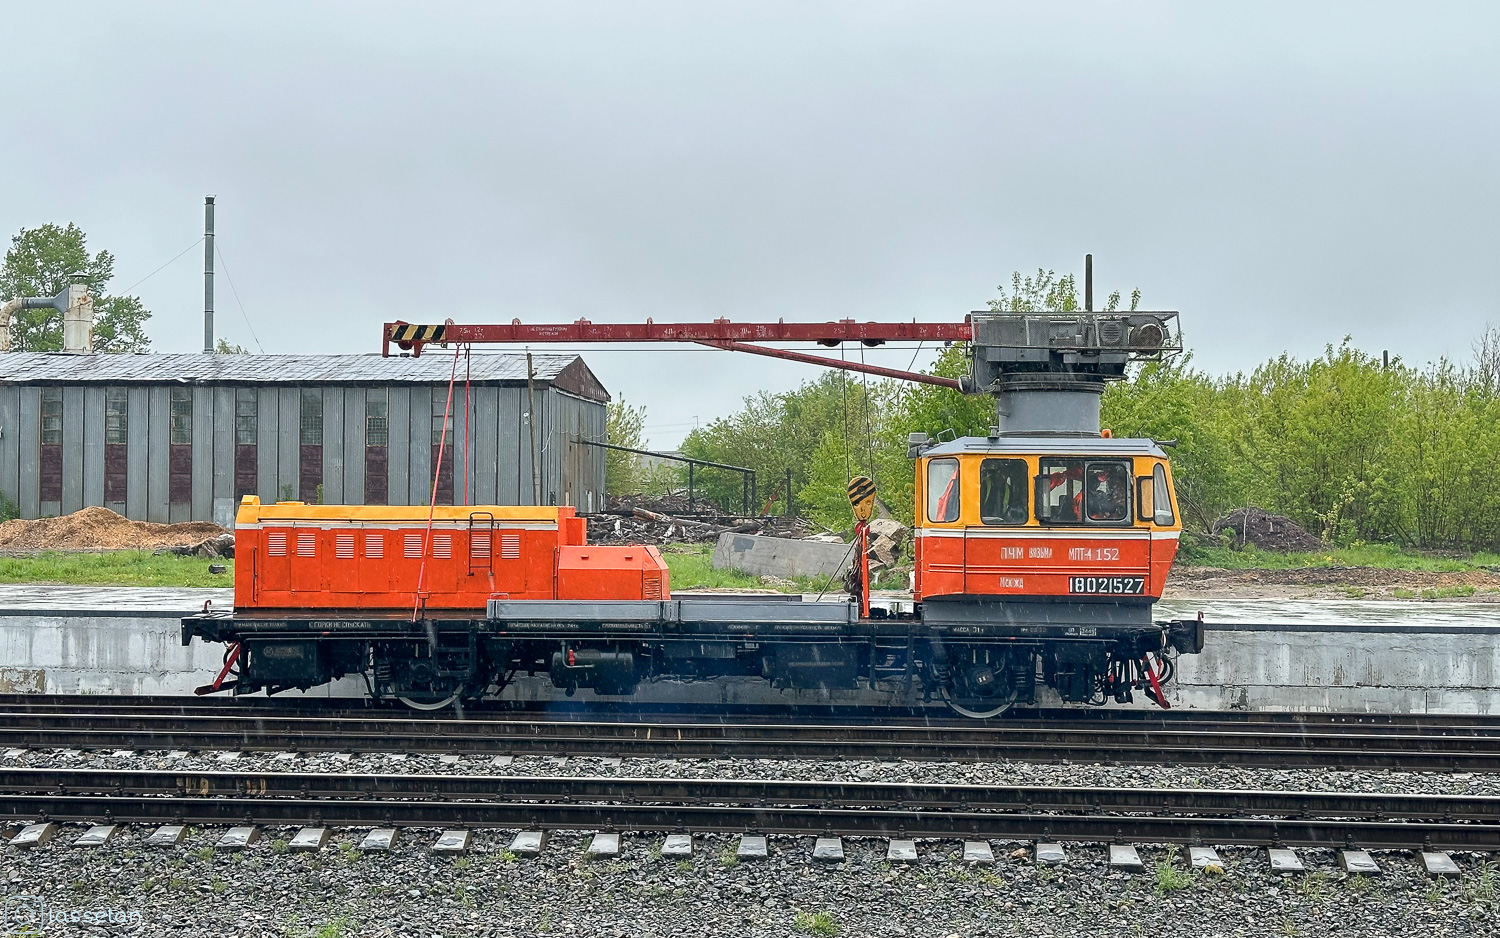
183 437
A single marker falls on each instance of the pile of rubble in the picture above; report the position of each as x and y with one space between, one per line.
1266 531
640 519
887 543
96 529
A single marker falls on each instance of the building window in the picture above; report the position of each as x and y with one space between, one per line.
442 447
180 452
310 453
116 440
51 454
246 436
377 450
182 416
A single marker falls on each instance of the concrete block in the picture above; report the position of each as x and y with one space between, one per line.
177 754
1358 862
168 835
378 840
1285 861
829 850
96 836
677 846
238 838
528 843
1051 855
752 847
978 852
14 753
611 761
501 762
309 839
343 756
604 846
448 759
901 851
780 556
452 842
1201 858
123 753
286 757
1126 858
34 835
1439 863
231 756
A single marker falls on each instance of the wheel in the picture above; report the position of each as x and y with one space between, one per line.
428 702
976 708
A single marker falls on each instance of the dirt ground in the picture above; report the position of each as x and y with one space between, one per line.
1332 583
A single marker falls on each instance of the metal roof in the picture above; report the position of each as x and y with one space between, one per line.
196 368
1049 445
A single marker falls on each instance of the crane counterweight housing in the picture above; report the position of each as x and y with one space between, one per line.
1040 551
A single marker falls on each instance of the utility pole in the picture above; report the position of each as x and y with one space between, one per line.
208 275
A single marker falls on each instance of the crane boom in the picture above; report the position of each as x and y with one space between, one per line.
720 333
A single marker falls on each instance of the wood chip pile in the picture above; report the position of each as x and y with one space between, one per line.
94 529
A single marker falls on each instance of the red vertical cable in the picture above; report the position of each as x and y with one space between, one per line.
432 506
468 414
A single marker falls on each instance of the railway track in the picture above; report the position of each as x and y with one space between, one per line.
1433 744
935 714
1250 818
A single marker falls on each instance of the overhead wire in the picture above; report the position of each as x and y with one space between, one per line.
162 267
243 315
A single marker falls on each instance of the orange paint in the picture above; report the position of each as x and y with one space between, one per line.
368 557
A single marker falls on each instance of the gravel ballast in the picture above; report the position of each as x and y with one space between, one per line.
268 891
338 892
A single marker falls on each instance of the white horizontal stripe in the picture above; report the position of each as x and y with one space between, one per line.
1039 534
407 525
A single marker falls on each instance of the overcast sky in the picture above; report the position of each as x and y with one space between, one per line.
1283 175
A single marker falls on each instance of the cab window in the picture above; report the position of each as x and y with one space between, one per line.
1002 491
942 490
1083 491
1161 497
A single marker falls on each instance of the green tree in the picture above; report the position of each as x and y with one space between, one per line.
41 262
225 347
623 425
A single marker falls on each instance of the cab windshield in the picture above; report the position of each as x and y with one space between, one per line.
1083 491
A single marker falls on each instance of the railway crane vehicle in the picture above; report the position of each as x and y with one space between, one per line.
1040 550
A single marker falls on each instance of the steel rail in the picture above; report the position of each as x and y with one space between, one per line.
757 792
891 822
1297 747
596 711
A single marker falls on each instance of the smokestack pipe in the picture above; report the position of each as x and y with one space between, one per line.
208 275
1088 283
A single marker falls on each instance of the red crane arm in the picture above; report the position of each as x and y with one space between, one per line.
720 333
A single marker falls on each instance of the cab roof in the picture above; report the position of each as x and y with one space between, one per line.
1049 446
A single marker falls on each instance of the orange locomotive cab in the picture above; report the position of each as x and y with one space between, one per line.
1033 518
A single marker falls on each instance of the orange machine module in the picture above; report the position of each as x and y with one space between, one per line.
292 555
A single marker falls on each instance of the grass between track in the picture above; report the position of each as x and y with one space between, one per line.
690 566
114 568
